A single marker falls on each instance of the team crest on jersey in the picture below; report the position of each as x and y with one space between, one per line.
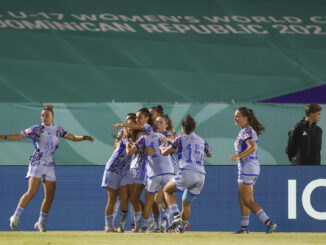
246 136
28 131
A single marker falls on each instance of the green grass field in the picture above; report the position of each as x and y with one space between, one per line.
198 238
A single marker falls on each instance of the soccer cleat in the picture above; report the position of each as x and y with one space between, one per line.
163 226
137 229
121 227
39 227
271 227
132 228
242 231
186 228
144 230
14 220
175 223
151 226
110 229
157 230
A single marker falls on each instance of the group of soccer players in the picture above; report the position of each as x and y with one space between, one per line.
144 157
147 155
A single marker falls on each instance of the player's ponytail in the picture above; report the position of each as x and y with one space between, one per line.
159 109
189 124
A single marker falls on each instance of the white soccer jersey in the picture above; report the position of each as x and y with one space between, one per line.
156 164
46 141
119 161
249 164
191 150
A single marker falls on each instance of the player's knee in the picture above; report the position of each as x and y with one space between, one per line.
158 199
113 199
187 196
30 193
248 202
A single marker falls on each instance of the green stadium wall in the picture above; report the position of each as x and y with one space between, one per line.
214 123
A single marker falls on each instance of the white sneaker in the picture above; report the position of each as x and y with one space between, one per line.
14 220
39 227
163 226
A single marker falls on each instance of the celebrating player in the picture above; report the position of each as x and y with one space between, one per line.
159 170
190 179
138 161
117 179
46 138
248 168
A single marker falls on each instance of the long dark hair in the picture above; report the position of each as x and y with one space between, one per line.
168 121
159 109
252 120
189 124
146 113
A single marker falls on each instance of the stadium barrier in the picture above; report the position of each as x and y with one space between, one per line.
294 197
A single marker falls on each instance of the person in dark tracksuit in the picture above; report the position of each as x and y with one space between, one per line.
305 139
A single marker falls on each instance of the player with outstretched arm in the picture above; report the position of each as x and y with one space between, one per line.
46 138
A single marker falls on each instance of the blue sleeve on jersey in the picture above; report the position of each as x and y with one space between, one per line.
246 134
167 134
33 132
140 143
148 128
120 131
207 149
61 132
176 142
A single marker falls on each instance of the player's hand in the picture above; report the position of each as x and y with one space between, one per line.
163 139
129 144
116 126
150 151
234 158
89 138
162 147
2 137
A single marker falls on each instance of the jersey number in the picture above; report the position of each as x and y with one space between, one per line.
198 154
50 146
